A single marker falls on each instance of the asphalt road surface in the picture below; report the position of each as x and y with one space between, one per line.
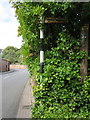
12 87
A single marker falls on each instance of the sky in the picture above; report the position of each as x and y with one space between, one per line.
8 26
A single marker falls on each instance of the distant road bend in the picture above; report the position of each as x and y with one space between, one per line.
12 87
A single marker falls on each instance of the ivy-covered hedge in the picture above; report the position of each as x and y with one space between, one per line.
60 93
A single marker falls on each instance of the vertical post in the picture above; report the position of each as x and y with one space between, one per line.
84 47
41 52
41 48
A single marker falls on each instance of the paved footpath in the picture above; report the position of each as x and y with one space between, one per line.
13 84
26 102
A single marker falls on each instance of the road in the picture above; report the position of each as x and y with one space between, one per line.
12 87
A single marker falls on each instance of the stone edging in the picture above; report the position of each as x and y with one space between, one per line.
26 102
7 72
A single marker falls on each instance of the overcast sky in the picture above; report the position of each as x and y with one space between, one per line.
8 26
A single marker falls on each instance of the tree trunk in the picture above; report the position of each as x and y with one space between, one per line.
84 47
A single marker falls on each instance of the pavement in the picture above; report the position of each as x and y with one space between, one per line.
13 85
26 102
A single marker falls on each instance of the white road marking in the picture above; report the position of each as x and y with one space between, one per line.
6 77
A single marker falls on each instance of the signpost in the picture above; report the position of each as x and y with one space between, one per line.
41 46
55 20
41 51
46 21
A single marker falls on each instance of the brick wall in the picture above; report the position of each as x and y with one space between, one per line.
18 67
4 65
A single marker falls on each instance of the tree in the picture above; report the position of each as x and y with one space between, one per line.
61 92
29 13
11 53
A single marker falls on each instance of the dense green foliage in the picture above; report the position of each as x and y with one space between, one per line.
60 93
12 54
29 15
